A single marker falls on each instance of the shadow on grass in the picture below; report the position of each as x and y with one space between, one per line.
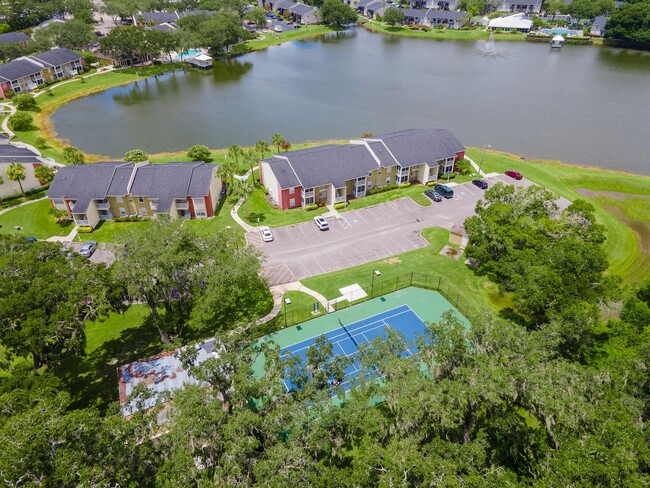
255 218
93 378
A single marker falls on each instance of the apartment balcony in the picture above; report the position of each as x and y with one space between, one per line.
102 205
339 199
81 222
182 205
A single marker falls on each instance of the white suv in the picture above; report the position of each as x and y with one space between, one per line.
321 223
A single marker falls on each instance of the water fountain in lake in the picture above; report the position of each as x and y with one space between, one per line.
490 49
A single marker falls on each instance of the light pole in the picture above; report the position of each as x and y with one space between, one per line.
372 288
480 165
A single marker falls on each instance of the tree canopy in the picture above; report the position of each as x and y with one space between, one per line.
337 13
631 23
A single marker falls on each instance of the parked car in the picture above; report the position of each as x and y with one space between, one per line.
514 174
267 236
99 33
277 28
444 190
482 184
321 223
224 190
433 195
88 249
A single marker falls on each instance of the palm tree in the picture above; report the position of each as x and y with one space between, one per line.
262 147
225 171
278 139
251 156
16 172
242 190
235 152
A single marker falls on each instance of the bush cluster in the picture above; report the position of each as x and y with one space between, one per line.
404 185
338 206
130 218
382 189
313 206
84 229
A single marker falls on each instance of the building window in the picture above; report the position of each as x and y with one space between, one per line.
122 211
292 202
389 169
119 199
292 190
58 201
141 199
143 210
309 200
388 180
200 213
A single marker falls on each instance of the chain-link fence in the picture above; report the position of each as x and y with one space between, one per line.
377 287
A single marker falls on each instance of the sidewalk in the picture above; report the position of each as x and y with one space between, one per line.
278 292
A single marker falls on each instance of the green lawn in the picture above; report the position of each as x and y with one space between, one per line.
117 340
260 212
34 220
416 192
269 39
474 290
445 34
626 218
300 310
109 231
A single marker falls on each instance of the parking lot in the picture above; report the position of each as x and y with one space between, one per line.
360 236
103 253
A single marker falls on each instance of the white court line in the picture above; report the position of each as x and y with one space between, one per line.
359 215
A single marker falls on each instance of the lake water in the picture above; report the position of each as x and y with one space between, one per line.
577 104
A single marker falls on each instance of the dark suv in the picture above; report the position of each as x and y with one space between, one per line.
444 190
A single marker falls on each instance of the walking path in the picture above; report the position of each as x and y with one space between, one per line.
278 292
21 204
69 238
238 219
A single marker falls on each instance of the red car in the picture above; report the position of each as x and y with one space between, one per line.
514 174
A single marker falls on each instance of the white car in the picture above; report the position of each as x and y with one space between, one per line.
321 223
267 236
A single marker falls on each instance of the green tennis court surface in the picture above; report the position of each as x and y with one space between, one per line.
405 310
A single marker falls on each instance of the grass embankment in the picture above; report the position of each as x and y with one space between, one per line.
477 291
34 221
440 34
269 39
622 204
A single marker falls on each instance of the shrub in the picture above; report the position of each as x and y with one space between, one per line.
40 142
24 101
136 156
20 121
405 185
130 218
10 94
199 153
59 215
382 189
338 206
449 176
89 59
84 229
313 206
72 155
431 183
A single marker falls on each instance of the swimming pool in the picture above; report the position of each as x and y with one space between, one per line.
561 31
187 54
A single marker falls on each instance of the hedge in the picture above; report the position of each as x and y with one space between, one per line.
405 185
338 206
313 206
382 189
84 229
130 218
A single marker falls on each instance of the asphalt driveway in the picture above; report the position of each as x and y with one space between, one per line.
361 236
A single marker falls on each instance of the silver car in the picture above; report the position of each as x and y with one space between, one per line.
88 249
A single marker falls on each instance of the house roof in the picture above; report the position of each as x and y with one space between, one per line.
416 146
167 182
165 27
301 9
444 14
599 22
207 13
83 183
285 4
375 5
56 19
160 17
14 154
57 57
516 21
414 12
19 68
363 3
119 185
283 172
331 163
382 153
12 37
523 2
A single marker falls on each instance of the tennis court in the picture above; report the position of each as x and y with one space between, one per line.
405 311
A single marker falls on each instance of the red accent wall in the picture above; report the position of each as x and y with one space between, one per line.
4 87
460 154
209 210
285 198
191 202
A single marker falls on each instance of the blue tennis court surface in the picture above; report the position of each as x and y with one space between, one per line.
347 339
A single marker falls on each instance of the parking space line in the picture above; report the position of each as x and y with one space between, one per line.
359 215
